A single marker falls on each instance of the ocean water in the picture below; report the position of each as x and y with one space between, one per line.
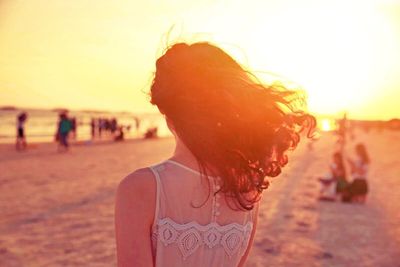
41 124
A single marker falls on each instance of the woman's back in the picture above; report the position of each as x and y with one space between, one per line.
227 121
193 226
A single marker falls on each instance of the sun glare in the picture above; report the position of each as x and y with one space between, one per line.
343 53
326 125
331 50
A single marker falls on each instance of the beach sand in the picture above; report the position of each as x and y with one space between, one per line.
56 209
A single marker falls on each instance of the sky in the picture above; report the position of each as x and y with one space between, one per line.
100 54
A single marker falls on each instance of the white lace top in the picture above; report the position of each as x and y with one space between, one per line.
192 226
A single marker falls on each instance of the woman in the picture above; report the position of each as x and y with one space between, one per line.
359 170
199 207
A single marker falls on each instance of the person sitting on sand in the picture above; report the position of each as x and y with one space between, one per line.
339 174
200 206
120 134
359 170
151 133
335 184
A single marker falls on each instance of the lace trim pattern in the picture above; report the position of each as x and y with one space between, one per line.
189 237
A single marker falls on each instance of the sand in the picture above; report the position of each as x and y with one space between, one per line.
56 209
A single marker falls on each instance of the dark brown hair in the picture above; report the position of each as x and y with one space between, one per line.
234 125
362 153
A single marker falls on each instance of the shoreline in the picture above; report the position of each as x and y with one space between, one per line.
84 142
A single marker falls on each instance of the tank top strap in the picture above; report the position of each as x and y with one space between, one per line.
158 192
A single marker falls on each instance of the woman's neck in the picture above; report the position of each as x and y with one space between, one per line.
184 155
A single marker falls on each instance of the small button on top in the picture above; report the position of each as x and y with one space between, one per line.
217 204
217 213
217 187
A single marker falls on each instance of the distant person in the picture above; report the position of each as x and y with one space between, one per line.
137 123
64 128
359 169
329 183
113 125
342 132
73 127
200 207
93 128
21 139
151 133
339 175
100 125
107 125
120 134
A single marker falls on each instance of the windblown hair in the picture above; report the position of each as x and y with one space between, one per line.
236 127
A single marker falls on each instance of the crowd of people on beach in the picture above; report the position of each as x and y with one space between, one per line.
337 185
103 126
66 128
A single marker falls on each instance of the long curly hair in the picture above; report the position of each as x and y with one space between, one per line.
234 125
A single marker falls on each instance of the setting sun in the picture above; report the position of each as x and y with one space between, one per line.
326 125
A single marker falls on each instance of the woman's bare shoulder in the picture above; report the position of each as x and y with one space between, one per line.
134 215
141 178
137 187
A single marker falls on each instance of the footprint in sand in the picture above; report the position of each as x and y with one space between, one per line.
269 246
303 227
68 251
311 185
288 216
273 250
309 194
308 207
324 255
301 230
303 224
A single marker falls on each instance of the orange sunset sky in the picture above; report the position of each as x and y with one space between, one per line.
100 54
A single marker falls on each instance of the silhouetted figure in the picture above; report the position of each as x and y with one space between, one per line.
137 123
93 128
73 127
107 125
120 134
64 127
21 139
100 126
151 133
342 132
359 170
335 184
339 174
113 125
